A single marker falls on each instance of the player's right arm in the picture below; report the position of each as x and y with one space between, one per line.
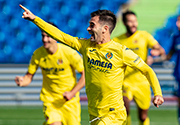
51 30
32 68
24 80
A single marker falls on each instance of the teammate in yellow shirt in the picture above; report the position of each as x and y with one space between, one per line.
136 85
59 93
104 61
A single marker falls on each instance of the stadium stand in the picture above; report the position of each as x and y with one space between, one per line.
10 94
19 36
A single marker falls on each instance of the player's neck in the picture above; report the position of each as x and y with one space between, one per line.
51 50
105 39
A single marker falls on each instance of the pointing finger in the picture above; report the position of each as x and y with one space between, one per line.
24 8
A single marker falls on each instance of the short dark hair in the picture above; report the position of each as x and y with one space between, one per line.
106 16
125 14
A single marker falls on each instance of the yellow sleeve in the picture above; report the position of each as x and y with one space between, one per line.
151 40
76 61
57 34
134 61
33 66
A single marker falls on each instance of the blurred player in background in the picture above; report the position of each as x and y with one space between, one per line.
104 61
175 48
60 92
136 85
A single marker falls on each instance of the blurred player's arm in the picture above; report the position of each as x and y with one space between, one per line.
24 80
80 84
134 61
157 54
164 57
77 63
51 30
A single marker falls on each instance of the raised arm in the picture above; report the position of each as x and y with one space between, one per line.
52 30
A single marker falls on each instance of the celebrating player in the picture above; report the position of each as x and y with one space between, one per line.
59 91
136 84
104 61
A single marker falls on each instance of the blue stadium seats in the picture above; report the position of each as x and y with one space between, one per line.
65 10
2 37
20 57
3 57
19 38
6 10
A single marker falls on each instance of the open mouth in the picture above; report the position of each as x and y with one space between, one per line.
92 36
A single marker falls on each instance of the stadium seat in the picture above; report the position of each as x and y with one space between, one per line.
19 57
2 36
14 23
3 57
45 10
6 10
8 49
65 10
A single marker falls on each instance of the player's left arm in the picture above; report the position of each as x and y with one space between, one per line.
133 60
69 95
153 80
77 63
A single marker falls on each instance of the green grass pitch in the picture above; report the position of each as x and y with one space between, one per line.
26 115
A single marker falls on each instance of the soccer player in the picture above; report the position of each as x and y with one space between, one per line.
60 91
136 84
104 61
175 49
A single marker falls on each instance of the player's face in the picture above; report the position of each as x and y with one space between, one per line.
95 29
178 22
47 40
131 23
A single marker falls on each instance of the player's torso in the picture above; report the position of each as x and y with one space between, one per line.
55 67
58 75
104 75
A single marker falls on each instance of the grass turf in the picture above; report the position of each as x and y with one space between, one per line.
25 115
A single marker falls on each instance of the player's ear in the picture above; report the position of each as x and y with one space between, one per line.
105 29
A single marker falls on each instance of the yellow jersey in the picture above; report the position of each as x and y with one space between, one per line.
58 71
139 42
104 69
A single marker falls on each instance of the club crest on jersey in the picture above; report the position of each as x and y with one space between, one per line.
109 55
60 61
